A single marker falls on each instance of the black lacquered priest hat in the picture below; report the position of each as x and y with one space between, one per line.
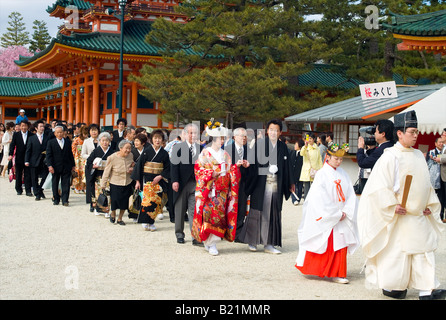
405 120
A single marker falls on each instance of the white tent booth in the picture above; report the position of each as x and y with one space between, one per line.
431 116
431 112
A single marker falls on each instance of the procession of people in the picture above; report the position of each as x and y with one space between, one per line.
232 189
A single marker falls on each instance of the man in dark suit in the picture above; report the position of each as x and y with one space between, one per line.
18 143
35 159
183 158
239 153
118 134
60 161
384 139
296 161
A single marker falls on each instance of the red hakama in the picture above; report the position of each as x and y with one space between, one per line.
329 264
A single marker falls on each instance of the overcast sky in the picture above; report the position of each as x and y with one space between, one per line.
30 10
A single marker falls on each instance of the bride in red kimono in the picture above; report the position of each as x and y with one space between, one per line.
216 192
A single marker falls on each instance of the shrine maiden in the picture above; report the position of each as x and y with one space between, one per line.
328 228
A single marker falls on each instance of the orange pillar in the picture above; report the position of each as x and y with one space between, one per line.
86 112
134 103
64 101
95 97
70 104
55 112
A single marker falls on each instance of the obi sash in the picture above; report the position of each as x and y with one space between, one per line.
153 167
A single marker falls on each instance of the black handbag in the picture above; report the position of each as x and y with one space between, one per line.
102 200
359 185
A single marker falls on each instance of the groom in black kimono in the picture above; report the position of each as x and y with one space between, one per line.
269 180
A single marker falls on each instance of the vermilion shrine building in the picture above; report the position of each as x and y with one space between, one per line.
420 32
85 54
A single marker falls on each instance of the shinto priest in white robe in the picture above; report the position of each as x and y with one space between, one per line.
399 249
322 211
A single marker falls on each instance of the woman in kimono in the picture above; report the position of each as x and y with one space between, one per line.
328 229
79 181
139 145
216 193
151 173
95 166
89 145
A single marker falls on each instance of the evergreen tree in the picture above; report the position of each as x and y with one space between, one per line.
16 34
40 38
224 60
371 55
225 43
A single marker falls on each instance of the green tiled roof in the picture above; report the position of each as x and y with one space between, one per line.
80 4
51 88
134 42
355 109
323 75
427 24
23 87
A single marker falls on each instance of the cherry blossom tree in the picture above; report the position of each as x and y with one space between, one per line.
8 68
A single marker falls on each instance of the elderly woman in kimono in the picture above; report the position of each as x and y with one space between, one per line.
95 166
328 229
216 199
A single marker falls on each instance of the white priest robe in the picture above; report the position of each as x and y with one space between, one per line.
399 248
322 211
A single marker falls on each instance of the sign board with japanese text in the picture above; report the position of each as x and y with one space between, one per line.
379 90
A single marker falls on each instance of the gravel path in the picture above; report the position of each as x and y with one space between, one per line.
64 253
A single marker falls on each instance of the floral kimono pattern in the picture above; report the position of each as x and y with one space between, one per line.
79 180
216 199
152 199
